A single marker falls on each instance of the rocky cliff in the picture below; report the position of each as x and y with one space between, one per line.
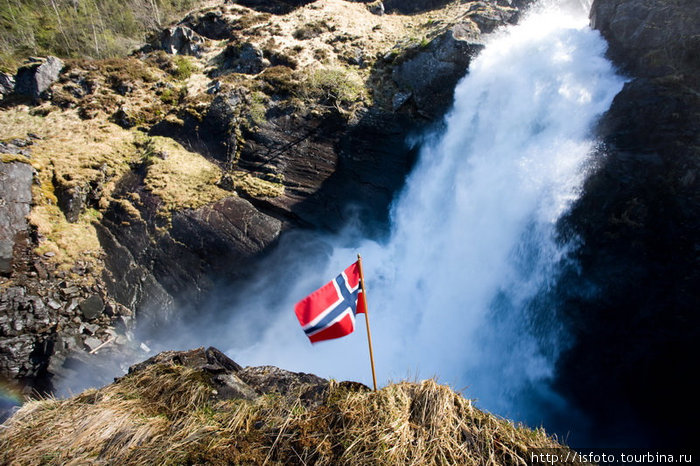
199 407
632 305
156 174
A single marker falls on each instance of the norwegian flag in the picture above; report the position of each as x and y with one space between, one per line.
329 312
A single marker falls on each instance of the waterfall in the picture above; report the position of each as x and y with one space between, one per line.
455 291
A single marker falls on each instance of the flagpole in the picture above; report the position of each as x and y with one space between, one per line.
369 334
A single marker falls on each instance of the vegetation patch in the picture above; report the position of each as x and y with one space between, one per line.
180 178
80 28
257 187
167 414
70 242
338 87
312 29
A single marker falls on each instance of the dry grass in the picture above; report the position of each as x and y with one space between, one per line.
257 187
76 150
182 179
164 415
70 242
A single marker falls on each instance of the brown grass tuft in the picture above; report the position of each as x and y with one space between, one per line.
165 414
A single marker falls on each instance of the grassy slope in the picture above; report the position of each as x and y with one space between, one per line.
80 28
163 415
80 145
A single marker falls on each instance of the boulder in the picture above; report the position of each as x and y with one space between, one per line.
246 58
15 203
213 24
181 40
376 8
7 83
92 307
35 79
231 381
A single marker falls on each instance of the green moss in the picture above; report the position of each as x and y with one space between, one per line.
183 68
173 96
335 86
257 108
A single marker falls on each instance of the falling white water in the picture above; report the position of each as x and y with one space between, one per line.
451 291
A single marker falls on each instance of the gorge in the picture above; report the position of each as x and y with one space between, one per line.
541 256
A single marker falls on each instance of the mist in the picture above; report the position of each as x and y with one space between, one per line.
458 289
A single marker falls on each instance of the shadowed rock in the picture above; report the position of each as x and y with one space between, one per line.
638 221
181 40
15 200
34 79
7 83
232 381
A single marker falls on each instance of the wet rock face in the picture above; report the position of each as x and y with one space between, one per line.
34 79
15 203
650 38
426 74
147 269
431 74
639 222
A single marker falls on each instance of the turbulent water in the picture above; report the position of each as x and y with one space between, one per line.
458 290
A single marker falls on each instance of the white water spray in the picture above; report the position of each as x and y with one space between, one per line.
451 292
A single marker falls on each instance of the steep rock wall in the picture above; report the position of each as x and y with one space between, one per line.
633 304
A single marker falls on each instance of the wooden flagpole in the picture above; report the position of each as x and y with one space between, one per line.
369 334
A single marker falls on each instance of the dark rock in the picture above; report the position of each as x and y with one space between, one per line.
218 128
488 18
92 307
376 8
71 198
246 58
221 372
638 222
277 7
213 25
226 182
399 99
651 38
232 381
231 230
214 87
123 118
15 202
270 379
7 83
430 73
16 147
131 284
413 6
35 79
181 40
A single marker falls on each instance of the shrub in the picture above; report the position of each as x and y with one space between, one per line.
183 68
334 86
